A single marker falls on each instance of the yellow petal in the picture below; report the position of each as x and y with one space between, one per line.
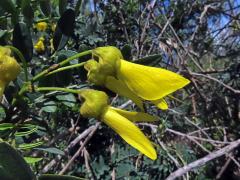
149 83
129 132
160 103
135 116
120 88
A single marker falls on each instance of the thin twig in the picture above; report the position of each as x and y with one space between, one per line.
200 162
79 150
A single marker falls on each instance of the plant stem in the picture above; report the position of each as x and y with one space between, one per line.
57 89
55 66
66 67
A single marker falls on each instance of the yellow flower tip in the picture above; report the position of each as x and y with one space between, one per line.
149 83
108 58
39 46
41 26
94 104
161 104
9 67
129 132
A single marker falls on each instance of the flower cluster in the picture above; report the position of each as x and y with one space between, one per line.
137 82
9 68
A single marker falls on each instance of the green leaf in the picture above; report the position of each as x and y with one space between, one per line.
67 99
4 174
25 133
2 113
32 160
59 39
62 4
30 145
58 177
126 52
8 6
52 150
6 126
27 9
13 165
68 53
2 33
45 6
49 106
22 40
67 22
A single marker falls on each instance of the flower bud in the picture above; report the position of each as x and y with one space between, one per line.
94 76
109 59
95 103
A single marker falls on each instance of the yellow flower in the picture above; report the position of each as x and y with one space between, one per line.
137 82
41 26
9 68
96 105
39 46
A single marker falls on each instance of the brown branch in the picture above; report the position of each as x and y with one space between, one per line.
218 81
79 150
200 162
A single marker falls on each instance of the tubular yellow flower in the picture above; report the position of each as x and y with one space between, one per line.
96 105
9 68
134 81
41 26
39 46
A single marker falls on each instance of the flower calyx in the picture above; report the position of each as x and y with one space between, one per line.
94 104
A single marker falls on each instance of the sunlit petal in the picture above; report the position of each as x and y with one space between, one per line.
129 132
149 83
120 88
135 116
160 103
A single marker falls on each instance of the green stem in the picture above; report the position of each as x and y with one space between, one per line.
57 89
75 57
21 57
66 67
54 67
21 92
